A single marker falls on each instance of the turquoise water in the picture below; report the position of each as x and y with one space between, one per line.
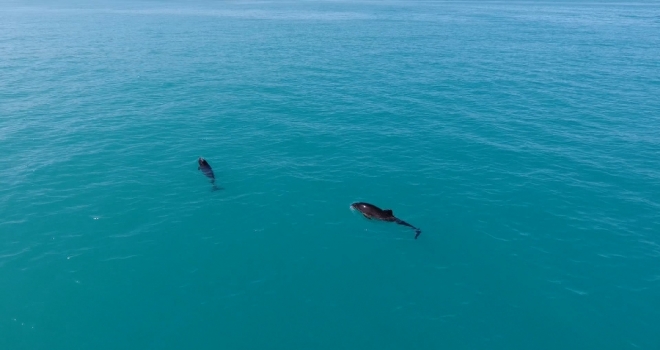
522 138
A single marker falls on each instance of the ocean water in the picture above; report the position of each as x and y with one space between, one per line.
523 138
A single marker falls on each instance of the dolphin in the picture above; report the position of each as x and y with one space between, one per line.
371 211
206 169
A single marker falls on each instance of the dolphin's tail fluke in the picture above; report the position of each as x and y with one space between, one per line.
417 231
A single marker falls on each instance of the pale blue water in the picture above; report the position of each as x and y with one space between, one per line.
522 138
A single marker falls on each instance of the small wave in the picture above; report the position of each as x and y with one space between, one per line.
121 257
577 291
10 255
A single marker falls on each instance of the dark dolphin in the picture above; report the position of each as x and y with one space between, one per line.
371 211
206 169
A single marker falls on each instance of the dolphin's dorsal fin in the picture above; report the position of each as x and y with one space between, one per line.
388 212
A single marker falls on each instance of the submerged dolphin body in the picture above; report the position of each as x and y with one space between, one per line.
371 211
206 169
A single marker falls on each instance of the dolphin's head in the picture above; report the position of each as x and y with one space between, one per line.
201 161
373 211
361 207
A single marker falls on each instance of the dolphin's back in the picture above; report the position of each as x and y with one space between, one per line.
208 171
205 167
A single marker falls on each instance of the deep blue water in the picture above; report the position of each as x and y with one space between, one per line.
523 138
